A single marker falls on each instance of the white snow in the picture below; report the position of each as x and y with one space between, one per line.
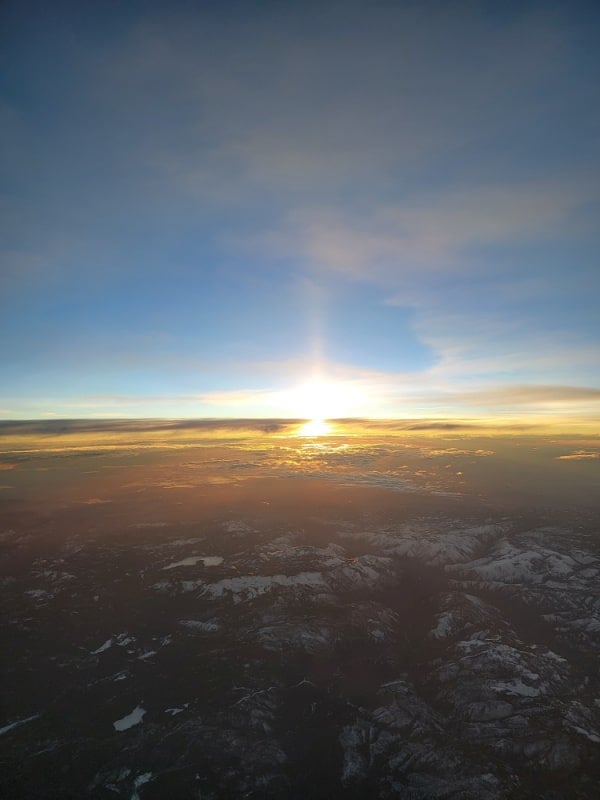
235 526
185 562
190 586
121 640
593 737
191 561
252 586
212 561
333 555
183 542
39 594
431 545
551 654
444 625
103 647
18 723
582 719
140 781
174 711
363 571
147 654
516 687
197 625
529 563
128 721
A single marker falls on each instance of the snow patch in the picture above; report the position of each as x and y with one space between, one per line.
236 526
251 586
108 643
147 654
18 723
120 640
39 594
201 627
140 781
128 721
176 710
444 626
517 688
191 561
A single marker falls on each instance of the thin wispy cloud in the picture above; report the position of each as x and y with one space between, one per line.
580 455
441 232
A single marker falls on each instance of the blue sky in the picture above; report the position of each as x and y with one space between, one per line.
207 205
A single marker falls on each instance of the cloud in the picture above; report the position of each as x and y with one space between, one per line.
237 398
440 231
301 108
476 343
77 427
303 104
456 451
517 399
398 425
478 313
511 395
345 391
580 455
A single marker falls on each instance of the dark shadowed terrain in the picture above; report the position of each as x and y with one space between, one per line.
211 611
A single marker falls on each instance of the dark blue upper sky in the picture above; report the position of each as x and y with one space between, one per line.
208 204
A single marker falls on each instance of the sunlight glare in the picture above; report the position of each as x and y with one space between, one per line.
318 400
315 427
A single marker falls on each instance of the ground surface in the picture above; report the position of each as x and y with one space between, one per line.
258 616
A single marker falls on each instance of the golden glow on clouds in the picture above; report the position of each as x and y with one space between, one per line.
580 455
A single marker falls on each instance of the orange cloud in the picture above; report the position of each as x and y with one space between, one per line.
579 455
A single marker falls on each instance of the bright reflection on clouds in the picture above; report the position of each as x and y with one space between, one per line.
315 427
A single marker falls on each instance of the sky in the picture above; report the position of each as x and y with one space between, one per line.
300 209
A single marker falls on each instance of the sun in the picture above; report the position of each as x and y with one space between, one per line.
317 401
320 400
315 427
